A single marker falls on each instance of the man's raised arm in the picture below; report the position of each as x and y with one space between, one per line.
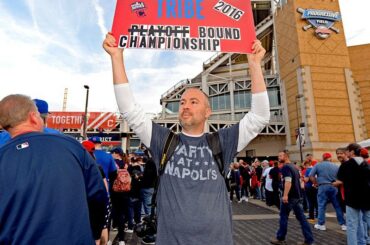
116 54
254 121
133 113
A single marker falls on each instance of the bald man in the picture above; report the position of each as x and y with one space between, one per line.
193 207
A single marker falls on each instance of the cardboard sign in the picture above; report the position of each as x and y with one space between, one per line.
74 120
198 25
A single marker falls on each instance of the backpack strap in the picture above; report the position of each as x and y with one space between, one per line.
169 148
214 143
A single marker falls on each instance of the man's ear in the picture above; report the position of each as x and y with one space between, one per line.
208 112
32 118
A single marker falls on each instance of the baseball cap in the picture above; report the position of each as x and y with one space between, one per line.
4 137
117 150
89 146
326 155
95 139
364 153
42 106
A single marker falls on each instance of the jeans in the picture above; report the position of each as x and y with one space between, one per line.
258 192
366 223
328 193
311 193
146 199
134 212
237 192
120 202
296 206
263 192
246 188
355 225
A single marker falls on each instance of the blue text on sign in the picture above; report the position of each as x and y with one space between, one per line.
180 9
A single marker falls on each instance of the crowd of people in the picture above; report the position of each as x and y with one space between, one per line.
130 180
56 190
312 185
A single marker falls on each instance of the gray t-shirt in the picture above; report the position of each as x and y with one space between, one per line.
192 202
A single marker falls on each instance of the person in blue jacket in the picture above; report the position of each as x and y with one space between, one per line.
43 108
48 182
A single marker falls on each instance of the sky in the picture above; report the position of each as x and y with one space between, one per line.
47 46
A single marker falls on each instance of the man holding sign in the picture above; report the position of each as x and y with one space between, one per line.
192 203
193 207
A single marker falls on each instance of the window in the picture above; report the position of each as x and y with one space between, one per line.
172 107
220 102
242 99
274 96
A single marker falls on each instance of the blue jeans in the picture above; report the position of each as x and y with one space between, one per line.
146 198
296 206
328 193
366 223
356 226
263 194
258 192
134 212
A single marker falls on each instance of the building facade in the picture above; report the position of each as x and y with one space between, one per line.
318 87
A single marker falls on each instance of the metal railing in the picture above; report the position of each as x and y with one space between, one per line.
177 85
210 59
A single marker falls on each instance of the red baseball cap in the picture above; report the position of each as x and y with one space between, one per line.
364 153
326 155
89 146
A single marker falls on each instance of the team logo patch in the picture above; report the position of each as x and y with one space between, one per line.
139 8
22 146
322 20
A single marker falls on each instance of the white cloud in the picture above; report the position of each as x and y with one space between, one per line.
100 14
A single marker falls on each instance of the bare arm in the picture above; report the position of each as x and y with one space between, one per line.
337 183
116 54
254 61
254 121
287 187
313 180
131 111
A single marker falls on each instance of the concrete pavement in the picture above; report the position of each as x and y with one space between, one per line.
255 224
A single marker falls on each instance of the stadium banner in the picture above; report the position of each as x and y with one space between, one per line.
74 120
197 25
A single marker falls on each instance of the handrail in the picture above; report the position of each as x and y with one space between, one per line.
177 85
265 20
264 24
211 58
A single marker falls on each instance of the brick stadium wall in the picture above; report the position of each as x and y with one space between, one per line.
321 71
360 64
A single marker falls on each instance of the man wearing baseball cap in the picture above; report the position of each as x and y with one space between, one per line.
43 109
324 175
104 159
48 182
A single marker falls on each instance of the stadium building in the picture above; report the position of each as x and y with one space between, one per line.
318 87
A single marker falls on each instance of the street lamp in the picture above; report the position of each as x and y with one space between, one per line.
85 116
297 98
